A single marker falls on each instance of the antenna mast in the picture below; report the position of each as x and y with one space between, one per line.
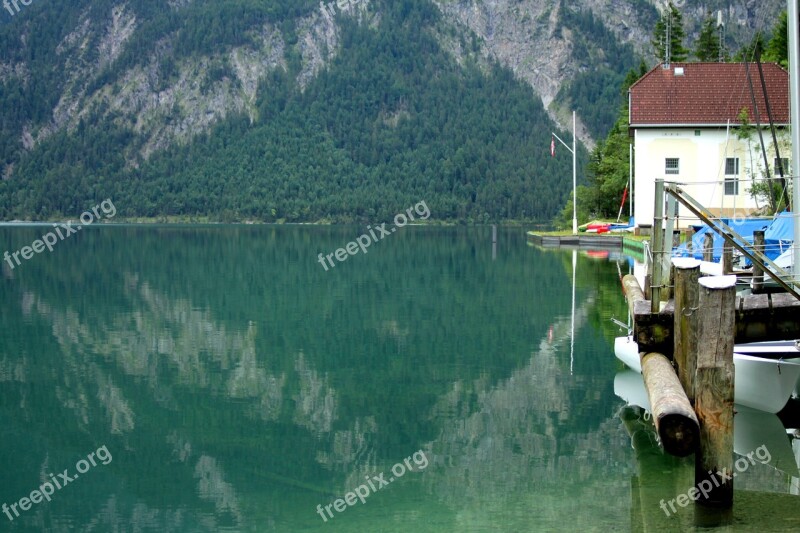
668 44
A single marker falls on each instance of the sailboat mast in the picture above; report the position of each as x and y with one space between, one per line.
794 96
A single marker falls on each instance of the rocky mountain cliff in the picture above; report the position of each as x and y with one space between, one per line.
531 37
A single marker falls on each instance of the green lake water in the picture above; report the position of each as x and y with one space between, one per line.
224 381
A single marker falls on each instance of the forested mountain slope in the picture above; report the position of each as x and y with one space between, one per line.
291 110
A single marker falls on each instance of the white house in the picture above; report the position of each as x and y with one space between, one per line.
684 120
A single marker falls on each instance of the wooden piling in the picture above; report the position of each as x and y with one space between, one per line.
727 258
673 416
708 247
757 284
714 382
687 274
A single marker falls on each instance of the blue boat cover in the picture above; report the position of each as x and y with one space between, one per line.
744 227
779 235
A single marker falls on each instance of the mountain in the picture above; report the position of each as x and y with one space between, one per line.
300 111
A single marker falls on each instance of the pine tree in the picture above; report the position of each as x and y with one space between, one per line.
778 48
670 23
708 43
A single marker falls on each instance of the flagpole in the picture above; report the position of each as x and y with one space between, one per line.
572 329
574 152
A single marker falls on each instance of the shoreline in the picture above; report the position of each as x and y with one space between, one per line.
180 221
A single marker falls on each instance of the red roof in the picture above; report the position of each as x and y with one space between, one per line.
707 94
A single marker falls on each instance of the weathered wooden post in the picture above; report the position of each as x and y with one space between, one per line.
758 274
494 242
714 390
727 258
689 241
708 247
687 274
673 416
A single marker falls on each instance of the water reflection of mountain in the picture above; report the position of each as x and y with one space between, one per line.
513 423
223 407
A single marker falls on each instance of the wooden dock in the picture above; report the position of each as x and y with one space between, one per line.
614 243
758 318
589 242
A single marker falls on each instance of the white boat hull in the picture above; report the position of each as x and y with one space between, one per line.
751 428
759 383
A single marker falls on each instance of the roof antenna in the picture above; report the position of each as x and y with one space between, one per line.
721 30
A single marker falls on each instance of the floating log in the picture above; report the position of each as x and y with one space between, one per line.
687 274
714 390
673 416
633 292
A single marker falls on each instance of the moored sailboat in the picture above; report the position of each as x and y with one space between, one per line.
760 383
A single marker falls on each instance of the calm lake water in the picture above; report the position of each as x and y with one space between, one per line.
219 379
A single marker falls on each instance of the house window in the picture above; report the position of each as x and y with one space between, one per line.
697 133
672 165
731 176
785 161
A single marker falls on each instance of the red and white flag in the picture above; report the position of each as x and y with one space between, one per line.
552 146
